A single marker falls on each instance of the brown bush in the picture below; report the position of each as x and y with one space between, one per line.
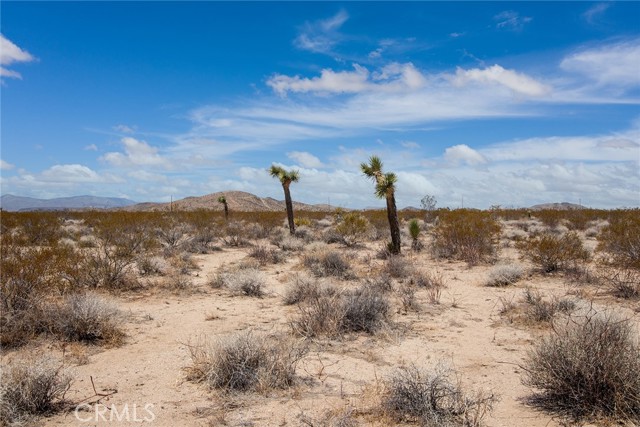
467 235
245 362
621 238
31 387
434 399
553 253
587 367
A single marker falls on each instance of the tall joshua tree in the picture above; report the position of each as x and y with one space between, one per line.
385 189
223 200
286 178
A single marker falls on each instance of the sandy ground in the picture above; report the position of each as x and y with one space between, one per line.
465 330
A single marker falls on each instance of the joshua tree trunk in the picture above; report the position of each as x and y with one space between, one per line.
394 226
226 211
287 200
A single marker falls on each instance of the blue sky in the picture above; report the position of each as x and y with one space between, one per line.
509 103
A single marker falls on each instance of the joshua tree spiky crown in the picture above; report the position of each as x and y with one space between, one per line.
283 175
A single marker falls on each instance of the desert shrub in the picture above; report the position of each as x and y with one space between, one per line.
623 282
587 367
266 256
621 238
398 267
432 279
467 235
334 313
179 284
31 387
87 317
504 274
541 310
343 417
381 283
303 288
245 362
39 228
245 281
129 232
433 399
150 266
553 253
365 310
201 242
106 267
234 234
320 315
172 234
407 295
291 243
352 228
323 263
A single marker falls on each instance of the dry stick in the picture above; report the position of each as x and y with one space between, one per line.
96 394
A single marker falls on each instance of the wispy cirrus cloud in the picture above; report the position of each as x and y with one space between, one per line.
519 83
10 54
609 64
592 14
511 20
321 36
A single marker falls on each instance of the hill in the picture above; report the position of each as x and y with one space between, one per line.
9 202
238 201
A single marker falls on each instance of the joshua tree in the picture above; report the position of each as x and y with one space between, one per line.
286 178
223 200
385 189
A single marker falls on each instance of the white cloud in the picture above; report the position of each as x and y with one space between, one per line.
125 128
5 165
595 12
136 153
321 36
71 173
305 159
510 19
91 147
410 145
462 153
615 64
393 77
517 82
9 54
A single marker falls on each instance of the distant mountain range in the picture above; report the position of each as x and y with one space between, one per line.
9 202
238 201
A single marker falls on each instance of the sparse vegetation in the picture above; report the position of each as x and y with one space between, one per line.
352 228
466 235
243 281
505 274
553 253
433 399
327 262
245 362
31 387
621 239
588 367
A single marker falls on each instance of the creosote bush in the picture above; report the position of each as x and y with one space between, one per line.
621 238
434 399
504 274
398 267
31 387
334 313
467 235
243 281
588 367
323 263
245 362
87 317
353 228
553 253
303 288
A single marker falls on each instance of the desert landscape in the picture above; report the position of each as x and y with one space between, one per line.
180 317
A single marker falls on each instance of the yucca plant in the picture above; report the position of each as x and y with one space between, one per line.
286 178
414 231
385 189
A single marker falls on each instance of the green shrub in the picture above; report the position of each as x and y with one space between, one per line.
553 253
621 238
353 228
467 235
